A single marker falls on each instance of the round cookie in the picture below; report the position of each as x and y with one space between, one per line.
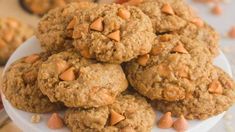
55 29
12 34
128 113
40 7
113 33
80 82
214 94
20 86
168 70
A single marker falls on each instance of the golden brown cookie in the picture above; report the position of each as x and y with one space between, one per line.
12 34
20 86
214 93
80 82
113 33
129 113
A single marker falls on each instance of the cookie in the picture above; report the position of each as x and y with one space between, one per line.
20 86
168 70
41 7
113 33
128 113
176 16
12 34
80 82
214 94
54 30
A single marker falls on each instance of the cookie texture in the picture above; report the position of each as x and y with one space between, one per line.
40 7
214 94
79 82
137 115
167 15
12 34
20 86
168 70
54 30
113 33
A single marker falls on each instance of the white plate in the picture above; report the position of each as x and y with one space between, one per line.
22 119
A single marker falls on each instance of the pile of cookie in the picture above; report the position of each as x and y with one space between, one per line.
91 52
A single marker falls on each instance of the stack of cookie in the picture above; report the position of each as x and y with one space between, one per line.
166 52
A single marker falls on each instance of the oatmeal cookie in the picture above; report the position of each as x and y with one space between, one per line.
20 86
113 33
128 113
55 28
168 70
80 82
214 94
12 34
40 7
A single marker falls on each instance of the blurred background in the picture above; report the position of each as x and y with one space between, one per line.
218 13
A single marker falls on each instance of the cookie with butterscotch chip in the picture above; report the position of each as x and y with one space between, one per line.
113 33
214 93
129 112
79 82
20 86
12 34
168 71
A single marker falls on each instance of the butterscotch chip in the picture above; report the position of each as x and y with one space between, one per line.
180 48
217 10
61 66
203 103
111 118
97 24
20 87
142 60
115 117
166 8
32 58
156 50
198 22
68 75
180 124
215 87
231 32
125 14
72 23
115 35
55 122
85 84
12 34
165 121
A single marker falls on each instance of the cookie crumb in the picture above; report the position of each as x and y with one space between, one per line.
35 118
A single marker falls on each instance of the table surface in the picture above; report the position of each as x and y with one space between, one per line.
220 23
